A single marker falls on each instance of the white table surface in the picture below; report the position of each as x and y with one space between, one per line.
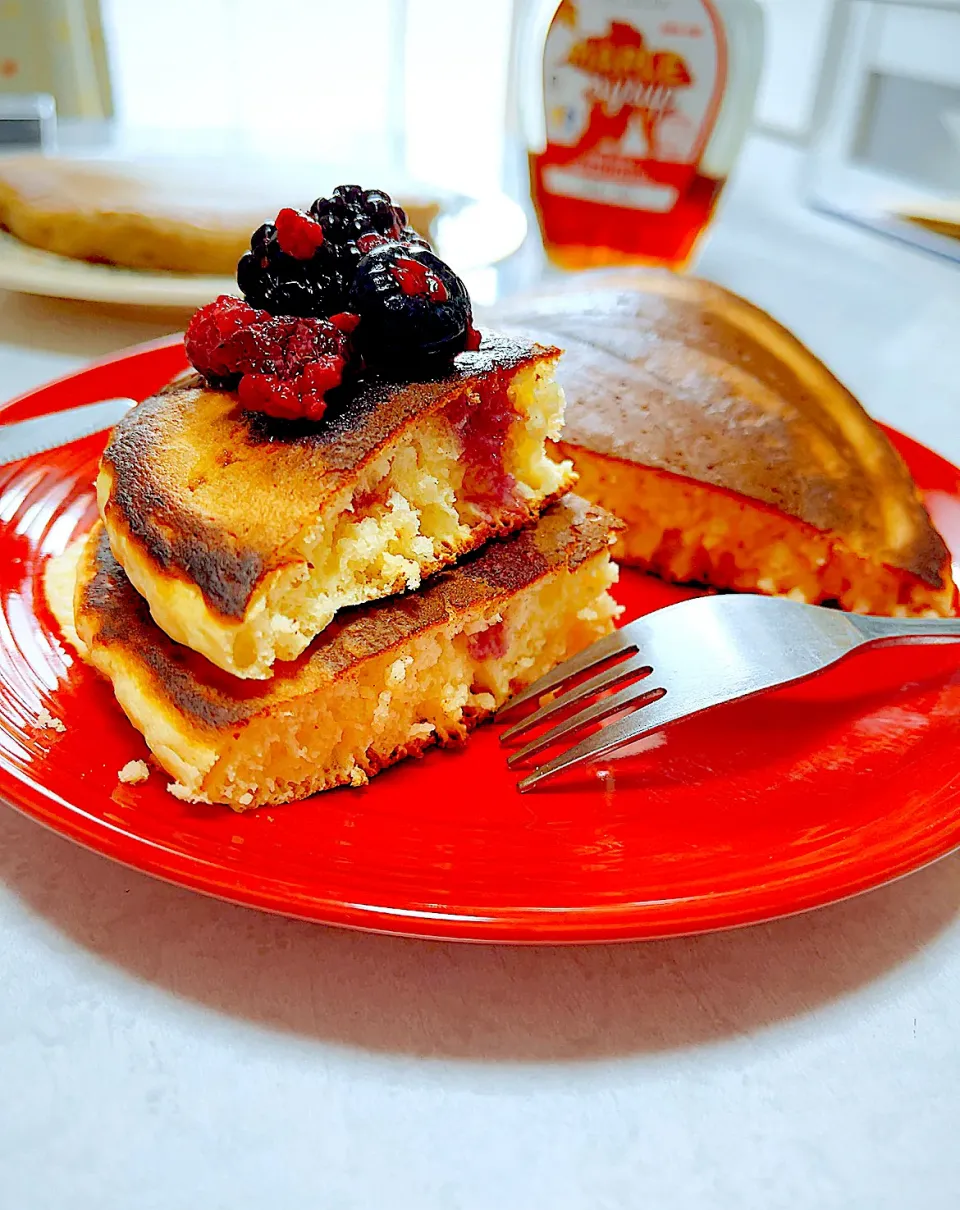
159 1049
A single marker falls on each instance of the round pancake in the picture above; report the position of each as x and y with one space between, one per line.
181 215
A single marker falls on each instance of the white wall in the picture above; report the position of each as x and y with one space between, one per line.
330 76
322 79
796 34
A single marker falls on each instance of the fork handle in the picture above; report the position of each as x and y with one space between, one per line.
883 631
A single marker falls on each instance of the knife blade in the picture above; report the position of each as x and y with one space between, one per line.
24 438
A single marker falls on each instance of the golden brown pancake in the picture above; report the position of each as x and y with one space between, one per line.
247 534
188 216
385 681
734 455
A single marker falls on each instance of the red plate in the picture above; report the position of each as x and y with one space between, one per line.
755 811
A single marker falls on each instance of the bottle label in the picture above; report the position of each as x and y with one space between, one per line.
632 89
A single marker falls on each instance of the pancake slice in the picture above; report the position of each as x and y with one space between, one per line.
735 457
386 681
246 535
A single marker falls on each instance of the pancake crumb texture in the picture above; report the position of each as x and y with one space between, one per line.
134 773
48 722
434 690
690 532
385 682
736 456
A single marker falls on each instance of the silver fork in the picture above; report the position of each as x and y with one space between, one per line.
688 658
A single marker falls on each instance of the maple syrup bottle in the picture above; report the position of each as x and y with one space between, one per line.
633 113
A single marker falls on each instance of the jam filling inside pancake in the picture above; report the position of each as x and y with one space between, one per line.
482 422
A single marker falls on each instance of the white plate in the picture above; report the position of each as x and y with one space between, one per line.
33 271
469 233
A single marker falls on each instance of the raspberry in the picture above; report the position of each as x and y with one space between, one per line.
210 327
417 278
282 366
298 234
263 393
289 365
367 243
322 375
298 396
345 321
407 236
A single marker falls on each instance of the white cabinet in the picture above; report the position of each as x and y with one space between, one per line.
886 138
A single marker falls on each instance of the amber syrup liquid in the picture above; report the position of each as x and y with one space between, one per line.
580 234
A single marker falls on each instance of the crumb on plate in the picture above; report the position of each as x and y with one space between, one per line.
134 772
47 722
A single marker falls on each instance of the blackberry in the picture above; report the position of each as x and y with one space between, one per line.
261 238
413 308
303 264
287 270
351 213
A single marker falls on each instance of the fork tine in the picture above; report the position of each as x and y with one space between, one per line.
635 695
596 653
649 718
603 680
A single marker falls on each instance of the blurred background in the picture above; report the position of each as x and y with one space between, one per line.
397 78
423 89
422 95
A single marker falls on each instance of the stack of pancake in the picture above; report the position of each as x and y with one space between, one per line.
285 607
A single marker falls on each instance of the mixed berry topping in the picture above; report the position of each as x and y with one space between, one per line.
328 291
303 264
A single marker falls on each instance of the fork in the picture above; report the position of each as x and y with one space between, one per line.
688 658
